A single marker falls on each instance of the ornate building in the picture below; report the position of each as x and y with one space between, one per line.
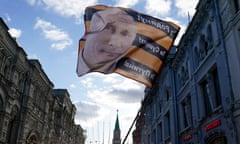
116 133
31 111
196 97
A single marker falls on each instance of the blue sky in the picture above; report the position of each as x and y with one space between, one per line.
49 30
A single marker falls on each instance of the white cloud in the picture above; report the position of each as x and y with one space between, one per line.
113 78
112 88
7 17
158 7
106 94
72 86
87 81
186 7
16 33
33 56
126 3
88 113
66 8
125 92
59 38
31 2
180 34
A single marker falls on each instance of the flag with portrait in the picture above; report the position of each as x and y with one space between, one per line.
124 41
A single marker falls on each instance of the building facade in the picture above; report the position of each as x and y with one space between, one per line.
196 97
31 110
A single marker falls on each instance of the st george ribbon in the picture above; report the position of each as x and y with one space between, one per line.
124 41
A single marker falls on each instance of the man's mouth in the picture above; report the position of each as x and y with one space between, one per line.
110 54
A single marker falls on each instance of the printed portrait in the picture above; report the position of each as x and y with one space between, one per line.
111 34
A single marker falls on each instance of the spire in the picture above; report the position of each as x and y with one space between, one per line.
117 132
117 123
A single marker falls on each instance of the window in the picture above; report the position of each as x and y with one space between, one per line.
217 138
196 55
154 110
6 70
1 103
206 100
159 107
1 58
236 5
159 133
185 123
167 125
154 137
149 141
12 126
203 47
209 36
217 95
186 112
167 94
211 91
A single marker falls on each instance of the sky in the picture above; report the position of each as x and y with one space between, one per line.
49 30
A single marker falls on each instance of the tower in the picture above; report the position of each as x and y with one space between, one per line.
116 132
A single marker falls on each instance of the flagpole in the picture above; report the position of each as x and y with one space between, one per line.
131 127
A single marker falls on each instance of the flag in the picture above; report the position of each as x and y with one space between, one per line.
124 41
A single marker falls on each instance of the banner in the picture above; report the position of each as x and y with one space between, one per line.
124 41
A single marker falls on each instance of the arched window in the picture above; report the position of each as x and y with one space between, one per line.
196 56
203 45
217 138
1 103
6 69
167 94
32 140
236 5
15 77
13 126
209 37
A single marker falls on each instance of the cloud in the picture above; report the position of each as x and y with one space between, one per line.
112 88
31 2
16 33
7 18
88 112
120 92
126 3
126 96
59 38
158 7
186 7
72 86
87 82
67 8
106 94
33 56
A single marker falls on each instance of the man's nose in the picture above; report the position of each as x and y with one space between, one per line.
115 41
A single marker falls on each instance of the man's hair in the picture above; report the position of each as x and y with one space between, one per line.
102 18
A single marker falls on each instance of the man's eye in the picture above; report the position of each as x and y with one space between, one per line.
124 33
110 27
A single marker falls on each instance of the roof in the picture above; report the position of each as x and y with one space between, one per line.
117 127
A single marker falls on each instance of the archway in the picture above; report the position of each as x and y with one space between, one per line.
217 139
32 140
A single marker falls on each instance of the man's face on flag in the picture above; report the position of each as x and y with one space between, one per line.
112 34
124 41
